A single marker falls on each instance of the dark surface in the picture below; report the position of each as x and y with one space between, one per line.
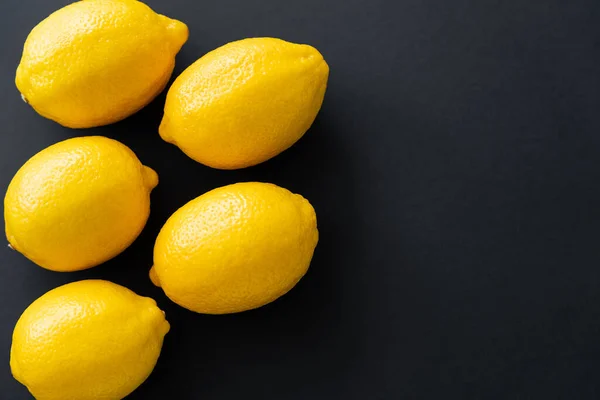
454 168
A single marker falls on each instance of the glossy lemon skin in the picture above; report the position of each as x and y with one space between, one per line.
245 102
96 62
235 248
78 203
87 340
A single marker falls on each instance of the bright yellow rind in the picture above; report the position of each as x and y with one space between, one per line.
245 102
88 340
235 248
78 203
96 62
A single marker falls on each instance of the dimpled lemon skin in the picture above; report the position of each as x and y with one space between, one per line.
96 62
87 340
245 102
78 203
235 248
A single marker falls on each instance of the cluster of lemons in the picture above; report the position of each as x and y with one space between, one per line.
82 201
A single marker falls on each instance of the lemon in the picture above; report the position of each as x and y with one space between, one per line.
245 102
78 203
96 62
87 340
235 248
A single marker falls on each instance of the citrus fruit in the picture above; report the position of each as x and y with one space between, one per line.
245 102
96 62
78 203
87 340
235 248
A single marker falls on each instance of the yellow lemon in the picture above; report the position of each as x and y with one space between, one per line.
78 203
87 340
235 248
245 102
96 62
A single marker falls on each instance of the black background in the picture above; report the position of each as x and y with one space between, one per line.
454 168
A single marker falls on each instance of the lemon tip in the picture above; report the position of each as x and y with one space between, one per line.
150 177
178 31
166 327
154 277
162 131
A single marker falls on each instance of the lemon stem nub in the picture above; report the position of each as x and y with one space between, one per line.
178 32
150 177
154 277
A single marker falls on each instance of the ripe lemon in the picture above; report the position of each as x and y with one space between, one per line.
87 340
245 102
96 62
235 248
78 203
